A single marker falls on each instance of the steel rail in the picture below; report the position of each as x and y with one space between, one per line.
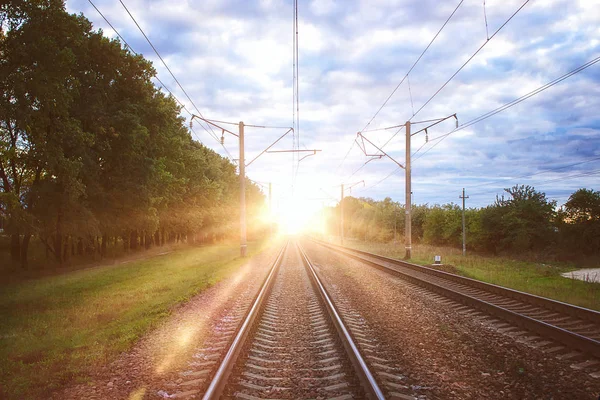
569 338
217 384
366 377
555 305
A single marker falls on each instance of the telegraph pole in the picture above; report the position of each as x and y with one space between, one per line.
270 211
464 233
242 164
406 167
342 217
395 223
408 230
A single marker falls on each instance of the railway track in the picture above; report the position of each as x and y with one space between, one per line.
293 343
573 332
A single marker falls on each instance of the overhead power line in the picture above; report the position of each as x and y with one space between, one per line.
247 125
504 107
510 104
578 175
159 80
296 98
412 67
539 183
469 59
456 73
380 181
536 173
214 135
402 80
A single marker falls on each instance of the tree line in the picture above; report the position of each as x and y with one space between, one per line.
92 154
522 221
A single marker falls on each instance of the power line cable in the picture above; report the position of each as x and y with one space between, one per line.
401 81
297 84
412 67
487 32
171 72
293 87
296 63
589 173
158 79
469 59
539 183
510 104
534 174
379 182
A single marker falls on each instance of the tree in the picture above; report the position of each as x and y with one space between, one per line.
583 206
580 227
525 221
90 148
443 225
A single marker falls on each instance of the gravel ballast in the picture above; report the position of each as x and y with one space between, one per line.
454 353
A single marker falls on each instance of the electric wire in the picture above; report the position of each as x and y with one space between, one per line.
413 66
383 179
296 138
412 104
293 86
158 79
536 173
461 67
487 33
247 125
578 175
389 140
510 104
469 59
297 84
155 77
171 73
359 168
405 77
541 183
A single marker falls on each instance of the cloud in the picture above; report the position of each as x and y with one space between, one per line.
234 58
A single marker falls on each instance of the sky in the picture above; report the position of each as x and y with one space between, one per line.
234 59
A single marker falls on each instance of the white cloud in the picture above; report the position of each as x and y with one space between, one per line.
235 60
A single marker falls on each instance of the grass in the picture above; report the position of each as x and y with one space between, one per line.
55 329
531 277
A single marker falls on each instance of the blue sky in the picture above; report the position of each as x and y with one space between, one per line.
234 58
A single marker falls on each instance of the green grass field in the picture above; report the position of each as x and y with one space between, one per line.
54 329
531 277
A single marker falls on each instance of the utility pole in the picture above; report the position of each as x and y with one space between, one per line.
270 210
406 167
395 219
464 233
242 164
408 230
342 217
348 186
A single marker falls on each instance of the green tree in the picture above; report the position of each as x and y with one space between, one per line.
525 221
90 149
580 223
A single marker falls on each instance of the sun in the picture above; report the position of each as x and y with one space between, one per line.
296 216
